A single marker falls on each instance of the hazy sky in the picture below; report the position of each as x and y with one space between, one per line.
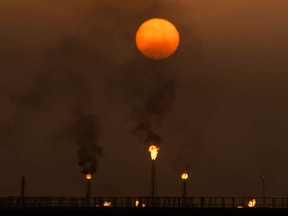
219 103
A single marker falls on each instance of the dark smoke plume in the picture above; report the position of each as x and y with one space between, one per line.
87 131
149 88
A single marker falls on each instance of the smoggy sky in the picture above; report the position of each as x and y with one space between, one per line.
219 103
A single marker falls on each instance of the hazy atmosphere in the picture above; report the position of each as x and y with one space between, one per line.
219 104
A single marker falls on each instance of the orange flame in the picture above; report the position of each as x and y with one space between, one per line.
88 176
239 206
107 204
154 151
252 203
137 203
184 176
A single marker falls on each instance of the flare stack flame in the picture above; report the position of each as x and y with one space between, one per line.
153 151
184 176
88 176
252 203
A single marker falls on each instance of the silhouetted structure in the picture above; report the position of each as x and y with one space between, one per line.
153 190
130 202
23 188
263 189
88 191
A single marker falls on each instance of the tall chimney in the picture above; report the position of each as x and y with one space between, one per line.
88 188
23 187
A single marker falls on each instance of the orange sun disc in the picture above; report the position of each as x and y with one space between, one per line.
157 38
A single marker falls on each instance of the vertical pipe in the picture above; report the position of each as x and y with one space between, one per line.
88 191
153 189
23 188
184 191
263 191
153 186
22 191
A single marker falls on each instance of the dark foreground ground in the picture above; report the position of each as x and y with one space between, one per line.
147 211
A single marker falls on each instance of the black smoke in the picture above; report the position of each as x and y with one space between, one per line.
87 130
148 87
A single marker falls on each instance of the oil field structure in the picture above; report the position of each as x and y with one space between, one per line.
147 204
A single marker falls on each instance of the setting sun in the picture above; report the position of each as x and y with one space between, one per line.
157 38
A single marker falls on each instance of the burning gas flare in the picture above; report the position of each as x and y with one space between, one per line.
88 176
184 176
154 151
252 203
137 204
107 204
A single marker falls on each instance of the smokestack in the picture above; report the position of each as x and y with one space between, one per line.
184 177
88 188
184 189
154 150
153 189
148 87
23 188
263 191
87 130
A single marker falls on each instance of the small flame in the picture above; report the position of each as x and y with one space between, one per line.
107 204
184 176
137 203
154 151
88 176
239 206
252 203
